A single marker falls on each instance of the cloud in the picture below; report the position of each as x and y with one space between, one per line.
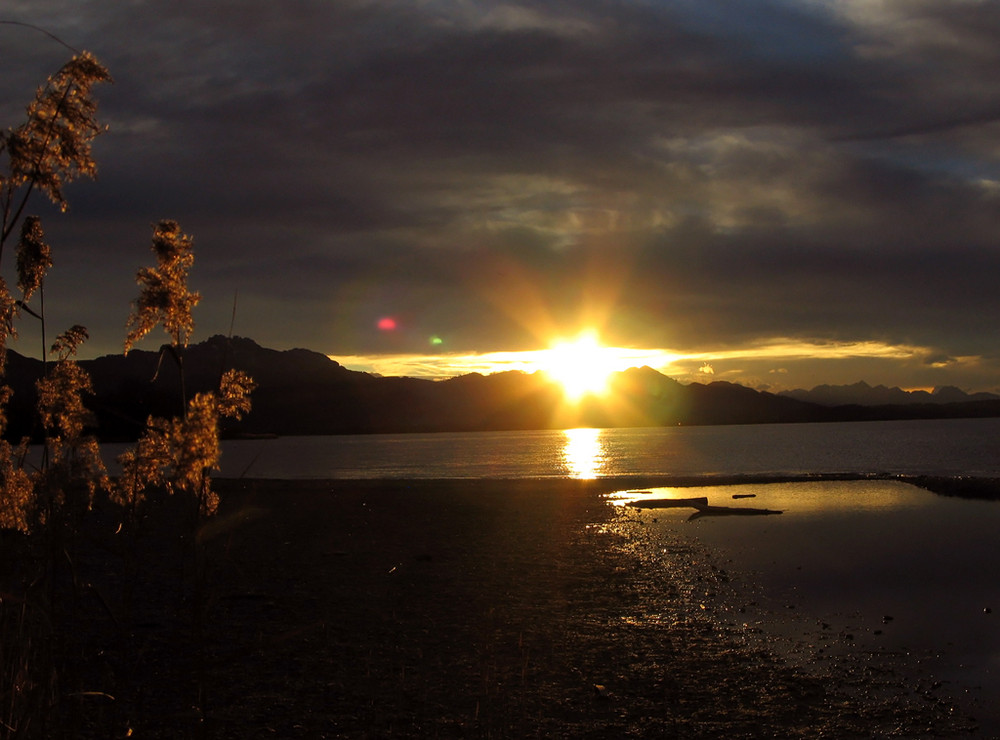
695 175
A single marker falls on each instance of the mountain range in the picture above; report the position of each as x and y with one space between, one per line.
304 392
865 395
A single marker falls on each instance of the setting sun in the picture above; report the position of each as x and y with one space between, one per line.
581 366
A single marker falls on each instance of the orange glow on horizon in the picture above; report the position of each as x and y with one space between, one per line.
728 363
439 366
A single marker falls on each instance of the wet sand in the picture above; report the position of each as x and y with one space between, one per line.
502 609
479 609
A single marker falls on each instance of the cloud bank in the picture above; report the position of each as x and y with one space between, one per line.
701 177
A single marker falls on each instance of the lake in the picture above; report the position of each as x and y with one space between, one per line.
934 447
891 565
895 567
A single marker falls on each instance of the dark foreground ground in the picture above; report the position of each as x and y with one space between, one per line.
500 609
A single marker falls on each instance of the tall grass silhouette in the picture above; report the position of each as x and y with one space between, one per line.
63 518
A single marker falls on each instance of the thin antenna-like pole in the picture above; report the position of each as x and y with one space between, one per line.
232 320
40 30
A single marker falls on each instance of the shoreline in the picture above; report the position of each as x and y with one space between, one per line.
508 608
983 488
502 608
868 566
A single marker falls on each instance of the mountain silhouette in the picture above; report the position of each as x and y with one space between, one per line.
302 392
865 395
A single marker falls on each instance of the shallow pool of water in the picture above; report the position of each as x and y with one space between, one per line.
885 564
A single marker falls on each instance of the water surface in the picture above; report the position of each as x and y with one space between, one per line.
884 565
938 447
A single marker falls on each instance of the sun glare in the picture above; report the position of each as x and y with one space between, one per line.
581 366
583 453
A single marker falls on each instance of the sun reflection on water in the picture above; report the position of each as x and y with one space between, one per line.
583 453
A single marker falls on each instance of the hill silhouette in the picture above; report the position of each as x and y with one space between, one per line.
866 395
304 392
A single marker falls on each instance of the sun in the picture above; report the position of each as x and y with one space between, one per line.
582 366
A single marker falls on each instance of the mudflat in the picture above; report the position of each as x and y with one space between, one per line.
343 609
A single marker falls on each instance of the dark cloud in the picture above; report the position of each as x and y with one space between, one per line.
690 174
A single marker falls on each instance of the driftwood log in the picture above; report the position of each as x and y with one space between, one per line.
669 503
700 503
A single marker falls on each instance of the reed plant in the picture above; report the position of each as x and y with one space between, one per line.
57 513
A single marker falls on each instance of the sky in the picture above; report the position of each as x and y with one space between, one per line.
780 193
